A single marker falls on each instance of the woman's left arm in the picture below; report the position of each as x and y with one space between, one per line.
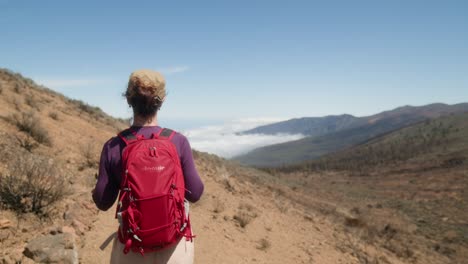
106 190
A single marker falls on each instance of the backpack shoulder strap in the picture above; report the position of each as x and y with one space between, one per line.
128 136
165 133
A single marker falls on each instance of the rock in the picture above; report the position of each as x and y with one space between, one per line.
7 260
26 260
450 236
4 235
5 223
79 227
72 212
67 229
90 206
53 230
58 248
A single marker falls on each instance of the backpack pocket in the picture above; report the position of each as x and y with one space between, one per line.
159 225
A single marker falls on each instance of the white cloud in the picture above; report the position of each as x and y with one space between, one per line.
174 69
224 141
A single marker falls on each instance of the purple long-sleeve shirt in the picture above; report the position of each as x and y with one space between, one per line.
110 168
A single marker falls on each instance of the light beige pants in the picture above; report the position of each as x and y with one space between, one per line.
181 253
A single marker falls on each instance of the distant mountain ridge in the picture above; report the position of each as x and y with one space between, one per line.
366 128
310 126
440 142
316 126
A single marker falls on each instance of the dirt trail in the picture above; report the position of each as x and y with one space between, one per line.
104 226
275 229
232 246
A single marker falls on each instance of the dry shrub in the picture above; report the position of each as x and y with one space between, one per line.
31 124
248 207
27 142
88 152
32 184
17 103
218 206
243 218
228 185
224 175
32 102
282 205
354 218
245 214
263 244
54 116
93 111
18 87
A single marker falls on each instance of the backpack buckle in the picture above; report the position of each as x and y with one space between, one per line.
137 238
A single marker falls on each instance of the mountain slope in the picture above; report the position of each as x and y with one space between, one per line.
310 126
314 147
418 173
437 142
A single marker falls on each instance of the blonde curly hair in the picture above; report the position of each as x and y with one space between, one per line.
146 91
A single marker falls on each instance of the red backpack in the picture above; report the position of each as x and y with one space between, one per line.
151 209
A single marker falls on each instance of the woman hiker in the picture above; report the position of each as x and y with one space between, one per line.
145 94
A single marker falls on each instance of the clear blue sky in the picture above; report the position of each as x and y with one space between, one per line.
237 59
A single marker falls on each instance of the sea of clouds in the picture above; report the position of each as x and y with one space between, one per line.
224 140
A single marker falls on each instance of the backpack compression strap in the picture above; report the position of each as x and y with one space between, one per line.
165 133
129 136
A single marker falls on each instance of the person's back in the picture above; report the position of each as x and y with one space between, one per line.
145 94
